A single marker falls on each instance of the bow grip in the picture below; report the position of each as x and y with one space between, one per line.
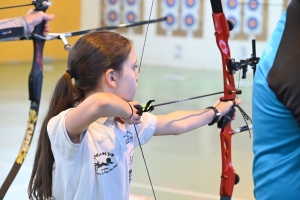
36 74
226 118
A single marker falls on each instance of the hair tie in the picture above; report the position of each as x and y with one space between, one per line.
71 73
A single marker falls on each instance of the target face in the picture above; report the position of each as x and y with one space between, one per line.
112 2
232 4
190 3
233 20
130 16
170 3
189 20
252 23
253 4
131 2
112 16
170 20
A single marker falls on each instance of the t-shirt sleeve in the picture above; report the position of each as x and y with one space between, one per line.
59 138
146 129
283 78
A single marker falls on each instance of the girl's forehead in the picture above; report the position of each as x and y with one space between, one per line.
132 55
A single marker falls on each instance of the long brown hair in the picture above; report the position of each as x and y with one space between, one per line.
90 57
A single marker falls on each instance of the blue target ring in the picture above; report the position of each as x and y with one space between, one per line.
130 16
131 2
232 4
253 4
252 23
112 2
170 3
112 16
189 20
233 20
190 3
170 20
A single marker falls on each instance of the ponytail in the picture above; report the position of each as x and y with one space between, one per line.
40 185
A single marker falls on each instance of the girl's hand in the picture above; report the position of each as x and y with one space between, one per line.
134 118
33 18
224 106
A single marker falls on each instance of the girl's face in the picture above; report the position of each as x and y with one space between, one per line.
127 79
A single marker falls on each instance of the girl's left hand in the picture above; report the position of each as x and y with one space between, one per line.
224 106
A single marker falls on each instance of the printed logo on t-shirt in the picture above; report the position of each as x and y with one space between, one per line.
130 175
104 162
128 138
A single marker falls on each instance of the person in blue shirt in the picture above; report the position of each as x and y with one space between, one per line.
276 112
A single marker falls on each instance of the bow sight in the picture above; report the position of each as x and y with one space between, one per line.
243 64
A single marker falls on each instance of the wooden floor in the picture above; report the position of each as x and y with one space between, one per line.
181 167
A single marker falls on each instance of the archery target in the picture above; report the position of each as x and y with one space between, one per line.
112 12
253 17
170 8
189 16
233 13
252 23
171 23
232 4
189 21
112 2
234 20
131 16
131 2
190 5
131 11
253 4
170 4
112 17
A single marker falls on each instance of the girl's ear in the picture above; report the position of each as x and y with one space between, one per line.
110 77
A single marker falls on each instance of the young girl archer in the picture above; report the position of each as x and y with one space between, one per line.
83 151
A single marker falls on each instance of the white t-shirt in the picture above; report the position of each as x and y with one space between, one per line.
100 166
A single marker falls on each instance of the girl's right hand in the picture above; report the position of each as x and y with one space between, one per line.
135 118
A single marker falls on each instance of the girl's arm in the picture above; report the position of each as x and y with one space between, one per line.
96 106
179 122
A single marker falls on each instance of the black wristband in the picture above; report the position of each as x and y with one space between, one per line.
217 115
131 112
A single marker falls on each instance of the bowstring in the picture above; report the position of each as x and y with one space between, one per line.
145 162
145 36
134 124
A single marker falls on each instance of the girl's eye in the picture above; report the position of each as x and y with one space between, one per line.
135 67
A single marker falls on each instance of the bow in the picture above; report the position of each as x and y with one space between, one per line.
228 177
222 27
35 87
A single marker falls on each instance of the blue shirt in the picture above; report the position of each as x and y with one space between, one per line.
276 104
